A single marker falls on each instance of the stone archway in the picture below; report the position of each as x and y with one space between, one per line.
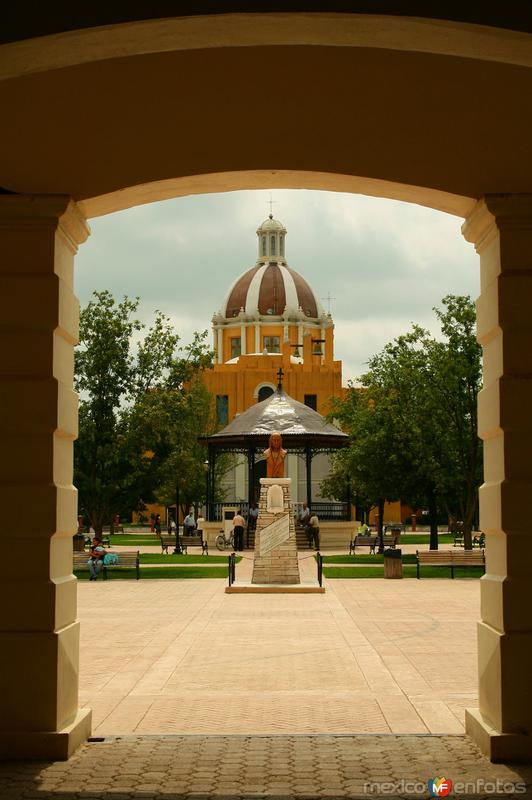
324 142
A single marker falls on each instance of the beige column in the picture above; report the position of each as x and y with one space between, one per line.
39 635
501 228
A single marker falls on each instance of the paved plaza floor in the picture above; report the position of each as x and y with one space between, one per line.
200 694
369 656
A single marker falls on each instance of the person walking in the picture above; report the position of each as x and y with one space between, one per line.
314 529
157 524
238 530
190 523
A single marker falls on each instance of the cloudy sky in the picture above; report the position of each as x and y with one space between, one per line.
385 263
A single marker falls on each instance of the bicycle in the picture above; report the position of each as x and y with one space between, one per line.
222 542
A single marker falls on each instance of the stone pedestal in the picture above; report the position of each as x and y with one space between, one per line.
275 560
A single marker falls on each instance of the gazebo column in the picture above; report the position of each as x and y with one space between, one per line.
501 228
212 468
308 464
251 474
39 634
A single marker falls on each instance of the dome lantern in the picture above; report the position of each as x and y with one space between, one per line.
271 245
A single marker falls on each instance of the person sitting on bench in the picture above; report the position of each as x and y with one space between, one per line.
97 555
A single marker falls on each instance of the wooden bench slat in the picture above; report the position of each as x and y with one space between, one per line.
450 558
185 542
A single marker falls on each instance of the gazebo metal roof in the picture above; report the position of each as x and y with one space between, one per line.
298 424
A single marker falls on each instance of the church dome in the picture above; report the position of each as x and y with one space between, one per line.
271 224
271 289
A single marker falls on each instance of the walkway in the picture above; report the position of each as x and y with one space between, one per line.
369 656
263 674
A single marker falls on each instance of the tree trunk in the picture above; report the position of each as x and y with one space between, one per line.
433 519
380 530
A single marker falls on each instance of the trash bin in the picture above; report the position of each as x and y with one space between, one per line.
393 565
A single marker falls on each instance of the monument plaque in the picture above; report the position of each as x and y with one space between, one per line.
274 534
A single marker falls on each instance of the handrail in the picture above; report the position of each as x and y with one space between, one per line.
231 572
319 559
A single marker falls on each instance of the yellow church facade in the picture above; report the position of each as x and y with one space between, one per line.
271 318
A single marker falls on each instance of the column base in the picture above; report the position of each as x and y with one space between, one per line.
47 745
497 746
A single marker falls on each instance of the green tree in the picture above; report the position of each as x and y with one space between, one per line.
421 393
115 467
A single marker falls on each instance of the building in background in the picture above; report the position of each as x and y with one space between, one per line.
272 319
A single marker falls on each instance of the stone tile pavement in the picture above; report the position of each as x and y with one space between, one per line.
182 657
338 695
272 766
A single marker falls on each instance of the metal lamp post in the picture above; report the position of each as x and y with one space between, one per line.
206 468
177 549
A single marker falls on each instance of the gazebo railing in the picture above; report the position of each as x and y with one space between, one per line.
326 511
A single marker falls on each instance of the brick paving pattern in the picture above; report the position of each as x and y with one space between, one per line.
253 766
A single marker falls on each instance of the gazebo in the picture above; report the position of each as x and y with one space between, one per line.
304 432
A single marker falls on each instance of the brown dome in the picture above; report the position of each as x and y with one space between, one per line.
270 289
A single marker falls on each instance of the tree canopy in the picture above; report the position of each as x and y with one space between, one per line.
413 422
142 406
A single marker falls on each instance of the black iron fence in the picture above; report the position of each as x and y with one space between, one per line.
326 511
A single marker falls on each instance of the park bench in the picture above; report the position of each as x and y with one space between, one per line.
168 542
127 559
372 542
363 541
450 558
116 529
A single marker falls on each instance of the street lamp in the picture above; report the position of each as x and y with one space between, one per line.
206 468
177 549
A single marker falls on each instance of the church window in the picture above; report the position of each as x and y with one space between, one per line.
311 400
222 409
271 344
272 245
264 393
263 245
281 241
236 346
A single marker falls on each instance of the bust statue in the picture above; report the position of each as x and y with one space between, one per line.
275 456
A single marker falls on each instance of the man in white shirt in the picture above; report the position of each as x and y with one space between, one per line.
314 531
239 524
190 523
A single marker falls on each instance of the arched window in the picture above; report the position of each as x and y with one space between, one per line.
265 392
263 245
281 241
272 245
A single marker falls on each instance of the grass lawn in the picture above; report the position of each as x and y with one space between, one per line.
161 558
159 573
134 540
424 538
408 572
366 558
